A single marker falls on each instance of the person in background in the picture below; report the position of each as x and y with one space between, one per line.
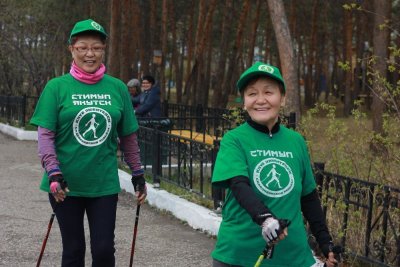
266 170
80 117
149 100
134 90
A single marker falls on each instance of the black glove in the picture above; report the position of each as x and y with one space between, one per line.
57 182
139 184
329 247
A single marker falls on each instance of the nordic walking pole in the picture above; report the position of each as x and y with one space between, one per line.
47 236
134 234
269 248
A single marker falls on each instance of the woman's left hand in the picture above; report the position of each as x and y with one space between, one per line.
331 261
141 195
139 185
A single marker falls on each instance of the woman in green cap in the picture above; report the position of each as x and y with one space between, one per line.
266 170
80 117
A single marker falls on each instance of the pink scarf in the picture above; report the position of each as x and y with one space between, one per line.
83 76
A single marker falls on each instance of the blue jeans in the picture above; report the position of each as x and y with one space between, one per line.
101 214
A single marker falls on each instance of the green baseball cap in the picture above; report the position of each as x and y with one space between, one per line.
259 69
87 25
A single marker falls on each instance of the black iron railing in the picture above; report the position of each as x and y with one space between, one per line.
177 160
17 110
364 216
180 110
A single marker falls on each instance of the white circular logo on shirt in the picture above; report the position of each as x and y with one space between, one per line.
273 177
92 126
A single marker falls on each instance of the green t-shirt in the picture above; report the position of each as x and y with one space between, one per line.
280 173
87 120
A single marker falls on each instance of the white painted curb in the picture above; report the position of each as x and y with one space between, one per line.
18 133
198 217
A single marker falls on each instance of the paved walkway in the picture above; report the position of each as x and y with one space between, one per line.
24 215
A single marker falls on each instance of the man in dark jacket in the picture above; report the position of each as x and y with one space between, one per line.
149 100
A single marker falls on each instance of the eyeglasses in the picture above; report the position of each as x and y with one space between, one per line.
85 49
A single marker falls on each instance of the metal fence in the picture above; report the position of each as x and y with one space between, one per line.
202 128
364 216
17 110
180 110
178 160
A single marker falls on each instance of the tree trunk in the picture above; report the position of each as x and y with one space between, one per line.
380 43
268 38
348 57
190 47
219 90
309 89
175 57
293 17
229 84
207 67
321 81
334 74
164 45
155 40
114 43
191 84
195 87
134 37
203 72
286 55
145 45
252 39
126 46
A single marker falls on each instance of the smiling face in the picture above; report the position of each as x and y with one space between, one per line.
88 52
146 85
262 100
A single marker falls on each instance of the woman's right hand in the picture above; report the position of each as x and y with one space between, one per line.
274 230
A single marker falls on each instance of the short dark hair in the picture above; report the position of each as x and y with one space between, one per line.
149 78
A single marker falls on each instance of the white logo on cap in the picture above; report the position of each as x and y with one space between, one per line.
96 25
266 68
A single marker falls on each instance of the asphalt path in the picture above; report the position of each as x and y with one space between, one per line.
162 240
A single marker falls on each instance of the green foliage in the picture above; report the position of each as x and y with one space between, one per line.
345 144
351 6
388 92
344 65
236 116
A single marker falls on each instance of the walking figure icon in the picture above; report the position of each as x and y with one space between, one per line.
92 127
274 176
